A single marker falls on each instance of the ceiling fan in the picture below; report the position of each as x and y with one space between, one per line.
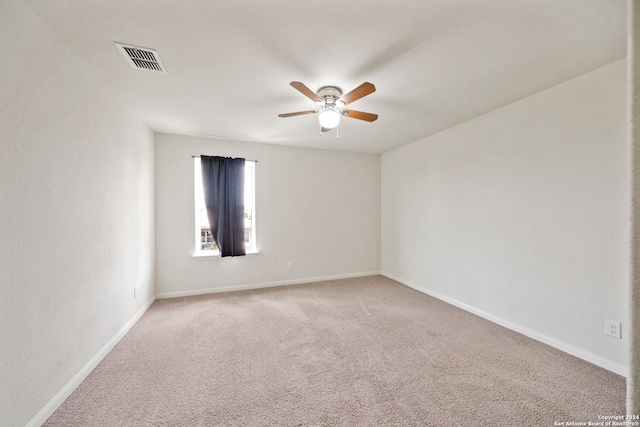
331 104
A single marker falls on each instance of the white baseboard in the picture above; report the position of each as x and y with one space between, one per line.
567 348
59 398
248 286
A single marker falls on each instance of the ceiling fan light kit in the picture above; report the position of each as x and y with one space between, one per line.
329 118
331 104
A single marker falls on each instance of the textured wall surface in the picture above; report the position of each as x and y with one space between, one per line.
523 214
633 379
319 209
76 216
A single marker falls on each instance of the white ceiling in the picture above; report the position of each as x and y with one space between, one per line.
435 63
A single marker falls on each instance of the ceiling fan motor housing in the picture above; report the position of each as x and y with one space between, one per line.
330 95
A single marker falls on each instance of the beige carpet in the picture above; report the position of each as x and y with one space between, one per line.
366 351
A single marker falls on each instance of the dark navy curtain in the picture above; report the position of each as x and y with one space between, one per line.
223 185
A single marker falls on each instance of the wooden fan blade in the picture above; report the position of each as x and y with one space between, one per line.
363 90
323 130
306 91
297 113
360 115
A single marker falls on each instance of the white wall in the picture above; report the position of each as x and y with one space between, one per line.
76 216
317 208
521 215
633 329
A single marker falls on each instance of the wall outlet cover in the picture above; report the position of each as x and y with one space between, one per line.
612 328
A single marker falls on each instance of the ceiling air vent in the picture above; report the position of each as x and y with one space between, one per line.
142 58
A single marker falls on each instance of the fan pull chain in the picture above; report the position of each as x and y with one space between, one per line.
337 128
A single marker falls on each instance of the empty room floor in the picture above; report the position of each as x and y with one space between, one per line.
362 351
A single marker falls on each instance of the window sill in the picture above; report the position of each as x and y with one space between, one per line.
203 256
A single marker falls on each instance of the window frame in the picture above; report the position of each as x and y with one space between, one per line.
198 205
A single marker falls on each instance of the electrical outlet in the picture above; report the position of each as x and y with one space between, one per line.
135 293
289 265
611 327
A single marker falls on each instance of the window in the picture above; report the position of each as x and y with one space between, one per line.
204 244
